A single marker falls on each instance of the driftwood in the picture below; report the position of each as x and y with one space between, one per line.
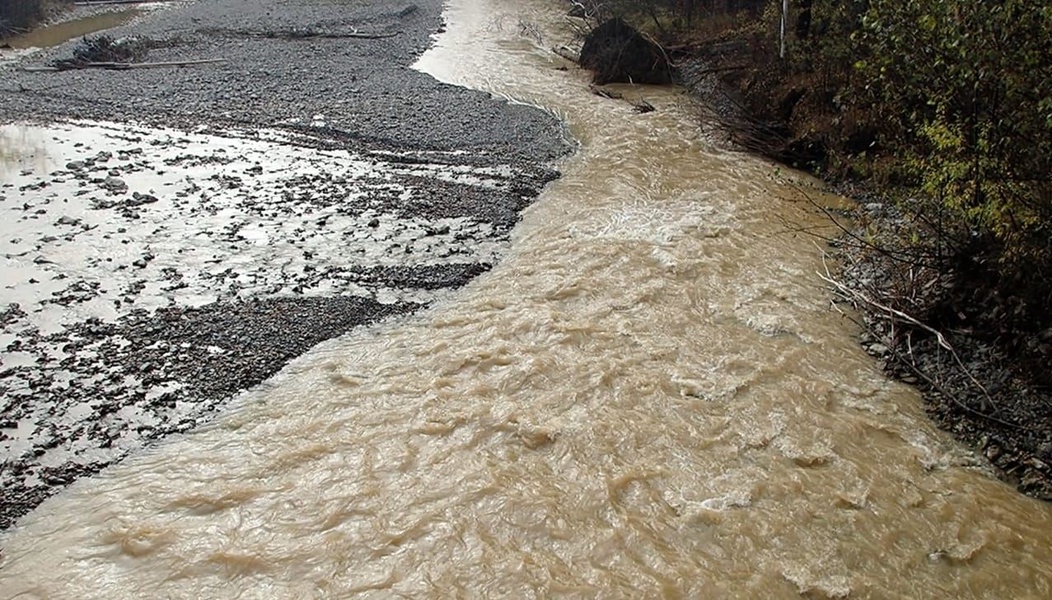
567 53
117 66
111 2
293 34
598 91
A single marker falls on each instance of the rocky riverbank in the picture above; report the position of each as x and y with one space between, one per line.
196 228
971 385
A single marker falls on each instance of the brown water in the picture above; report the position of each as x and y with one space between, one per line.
47 37
649 397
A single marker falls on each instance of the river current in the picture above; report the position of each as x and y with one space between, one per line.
650 396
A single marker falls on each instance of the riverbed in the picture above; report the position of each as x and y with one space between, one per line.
158 259
648 395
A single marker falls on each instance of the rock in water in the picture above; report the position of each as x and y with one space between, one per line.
617 53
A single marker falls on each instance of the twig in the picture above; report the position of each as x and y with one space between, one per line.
935 385
904 258
857 295
108 2
942 391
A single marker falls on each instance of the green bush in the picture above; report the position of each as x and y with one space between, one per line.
966 91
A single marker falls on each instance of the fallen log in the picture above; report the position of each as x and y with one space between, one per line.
111 2
643 107
293 34
116 66
356 36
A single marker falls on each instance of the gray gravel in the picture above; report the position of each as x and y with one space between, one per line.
123 351
364 87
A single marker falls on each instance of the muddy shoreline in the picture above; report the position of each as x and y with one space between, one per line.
970 386
150 277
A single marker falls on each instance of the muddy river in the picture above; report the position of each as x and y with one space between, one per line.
648 397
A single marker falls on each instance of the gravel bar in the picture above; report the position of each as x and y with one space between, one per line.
174 236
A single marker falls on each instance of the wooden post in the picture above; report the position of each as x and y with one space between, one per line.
785 17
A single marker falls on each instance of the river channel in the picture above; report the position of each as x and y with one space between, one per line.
650 396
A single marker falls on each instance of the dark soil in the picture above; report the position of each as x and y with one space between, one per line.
19 15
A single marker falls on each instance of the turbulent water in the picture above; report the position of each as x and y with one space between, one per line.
649 397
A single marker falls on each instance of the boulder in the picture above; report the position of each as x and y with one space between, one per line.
617 53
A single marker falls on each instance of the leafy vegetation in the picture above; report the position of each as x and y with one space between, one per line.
965 94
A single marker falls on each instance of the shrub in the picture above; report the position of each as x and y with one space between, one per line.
967 89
